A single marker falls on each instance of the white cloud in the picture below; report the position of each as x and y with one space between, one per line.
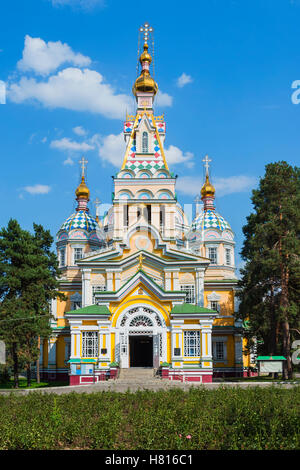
74 89
37 189
66 144
112 149
2 92
44 58
79 130
183 80
68 161
175 156
82 4
163 99
191 185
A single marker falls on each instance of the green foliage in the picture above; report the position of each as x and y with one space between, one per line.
200 419
269 288
28 282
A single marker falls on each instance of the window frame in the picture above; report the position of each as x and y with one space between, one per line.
190 292
189 335
216 253
93 337
145 142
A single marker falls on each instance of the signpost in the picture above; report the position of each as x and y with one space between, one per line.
270 364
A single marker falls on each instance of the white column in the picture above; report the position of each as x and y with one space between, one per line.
75 339
109 277
200 287
86 288
176 285
168 279
206 343
52 352
117 279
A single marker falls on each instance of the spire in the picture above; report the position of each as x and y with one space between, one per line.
207 191
145 86
82 192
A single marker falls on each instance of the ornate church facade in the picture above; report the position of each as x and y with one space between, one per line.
144 287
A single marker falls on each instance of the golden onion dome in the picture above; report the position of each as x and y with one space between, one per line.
145 57
82 190
207 189
145 83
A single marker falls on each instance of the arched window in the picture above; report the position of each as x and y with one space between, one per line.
145 142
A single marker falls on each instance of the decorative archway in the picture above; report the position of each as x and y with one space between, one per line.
142 320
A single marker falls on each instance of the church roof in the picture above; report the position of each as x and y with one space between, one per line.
190 308
209 219
90 310
80 220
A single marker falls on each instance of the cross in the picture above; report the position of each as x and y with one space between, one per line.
83 164
97 203
206 161
146 29
141 258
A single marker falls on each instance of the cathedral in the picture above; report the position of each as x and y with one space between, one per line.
145 288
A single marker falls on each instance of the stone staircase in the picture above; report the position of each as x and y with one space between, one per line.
138 375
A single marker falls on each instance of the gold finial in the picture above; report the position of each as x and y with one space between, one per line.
141 258
145 83
83 191
207 189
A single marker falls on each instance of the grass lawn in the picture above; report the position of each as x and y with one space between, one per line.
222 419
264 378
34 384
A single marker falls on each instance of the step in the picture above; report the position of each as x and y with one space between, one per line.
137 373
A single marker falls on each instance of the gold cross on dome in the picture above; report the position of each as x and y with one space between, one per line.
141 258
83 162
146 29
206 161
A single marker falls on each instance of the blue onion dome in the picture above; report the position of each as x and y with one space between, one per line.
210 219
80 220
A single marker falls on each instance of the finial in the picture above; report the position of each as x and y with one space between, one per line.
197 202
206 161
97 203
146 29
207 191
83 164
141 258
82 192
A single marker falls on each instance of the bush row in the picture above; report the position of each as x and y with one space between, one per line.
224 418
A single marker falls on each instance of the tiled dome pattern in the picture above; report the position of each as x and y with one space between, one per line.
209 219
80 220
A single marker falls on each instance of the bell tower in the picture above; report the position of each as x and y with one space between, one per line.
144 188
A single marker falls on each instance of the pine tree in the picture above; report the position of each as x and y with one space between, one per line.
28 282
269 295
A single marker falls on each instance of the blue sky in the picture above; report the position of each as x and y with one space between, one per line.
224 68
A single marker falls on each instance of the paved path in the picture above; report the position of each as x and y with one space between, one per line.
123 386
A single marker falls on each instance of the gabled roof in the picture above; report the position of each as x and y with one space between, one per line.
140 277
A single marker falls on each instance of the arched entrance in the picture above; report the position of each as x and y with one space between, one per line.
140 338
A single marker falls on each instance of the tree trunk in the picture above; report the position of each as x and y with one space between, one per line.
287 365
38 379
28 374
16 365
